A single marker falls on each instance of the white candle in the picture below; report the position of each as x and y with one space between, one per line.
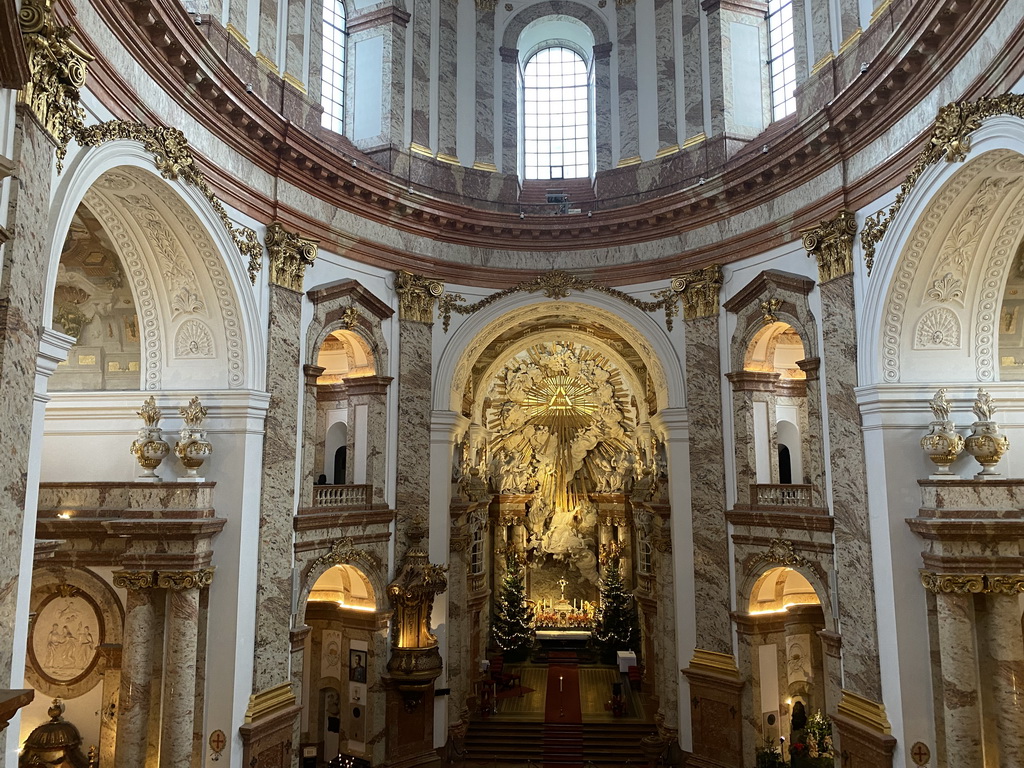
559 683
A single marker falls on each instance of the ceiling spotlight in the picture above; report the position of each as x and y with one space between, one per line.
701 181
522 215
864 67
248 87
764 150
590 214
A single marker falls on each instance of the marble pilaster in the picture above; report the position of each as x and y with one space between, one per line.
707 482
961 704
277 503
665 56
312 450
849 490
289 255
733 30
629 127
178 721
484 152
136 671
266 39
692 53
603 105
447 106
666 683
370 392
822 49
111 656
748 387
295 41
420 93
510 110
412 485
813 450
24 270
1003 625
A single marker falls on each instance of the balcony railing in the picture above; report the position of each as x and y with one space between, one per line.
353 496
765 495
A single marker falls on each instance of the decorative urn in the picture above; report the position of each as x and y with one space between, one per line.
192 447
942 444
986 443
148 447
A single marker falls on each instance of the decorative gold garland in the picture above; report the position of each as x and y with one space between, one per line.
556 285
173 157
950 139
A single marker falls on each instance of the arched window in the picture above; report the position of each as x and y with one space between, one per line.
781 59
332 95
556 115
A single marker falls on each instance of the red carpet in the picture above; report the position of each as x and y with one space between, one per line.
562 705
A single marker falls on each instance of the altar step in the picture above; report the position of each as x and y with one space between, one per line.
603 744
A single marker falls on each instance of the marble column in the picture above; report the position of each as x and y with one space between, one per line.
416 297
1006 648
603 106
179 699
420 93
447 102
666 679
701 310
312 434
961 704
813 450
629 127
289 255
832 245
484 153
137 668
510 110
665 58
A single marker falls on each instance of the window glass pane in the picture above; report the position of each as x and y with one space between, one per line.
333 67
781 65
555 115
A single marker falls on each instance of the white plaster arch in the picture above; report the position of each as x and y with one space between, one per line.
923 220
647 336
752 579
234 294
361 560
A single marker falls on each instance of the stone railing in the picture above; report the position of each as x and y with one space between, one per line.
354 496
765 495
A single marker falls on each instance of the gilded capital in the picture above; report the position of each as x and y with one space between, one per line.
486 5
134 579
699 289
178 581
289 254
831 243
416 296
57 69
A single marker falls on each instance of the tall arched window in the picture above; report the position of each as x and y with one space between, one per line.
782 58
556 115
333 71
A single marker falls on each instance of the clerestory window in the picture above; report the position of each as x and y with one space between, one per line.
333 70
782 59
556 115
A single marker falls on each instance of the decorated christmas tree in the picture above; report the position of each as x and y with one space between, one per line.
512 616
618 628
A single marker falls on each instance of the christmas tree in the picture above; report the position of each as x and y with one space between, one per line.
512 616
618 628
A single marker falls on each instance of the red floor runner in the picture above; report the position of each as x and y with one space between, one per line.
562 705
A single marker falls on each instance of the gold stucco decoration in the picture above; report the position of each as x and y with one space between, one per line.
289 254
972 583
173 157
134 579
344 551
556 285
58 69
416 297
781 552
950 139
699 290
831 243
